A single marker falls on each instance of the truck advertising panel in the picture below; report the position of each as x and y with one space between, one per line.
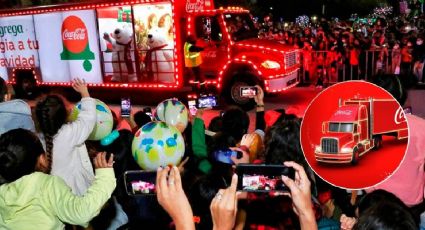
155 42
116 44
18 46
68 46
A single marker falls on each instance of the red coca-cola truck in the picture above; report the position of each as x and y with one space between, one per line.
139 45
357 126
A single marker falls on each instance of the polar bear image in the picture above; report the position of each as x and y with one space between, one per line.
159 61
122 62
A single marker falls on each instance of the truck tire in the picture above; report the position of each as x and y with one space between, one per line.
377 142
355 158
232 92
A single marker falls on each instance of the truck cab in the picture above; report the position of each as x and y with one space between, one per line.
234 56
345 135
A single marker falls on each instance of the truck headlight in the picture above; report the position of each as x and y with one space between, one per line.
346 150
317 149
270 64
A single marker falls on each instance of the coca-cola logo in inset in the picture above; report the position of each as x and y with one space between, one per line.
399 116
344 112
74 34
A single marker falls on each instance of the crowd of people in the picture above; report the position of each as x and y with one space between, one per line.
52 177
336 50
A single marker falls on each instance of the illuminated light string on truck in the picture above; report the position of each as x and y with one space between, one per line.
176 64
267 86
108 85
81 6
228 35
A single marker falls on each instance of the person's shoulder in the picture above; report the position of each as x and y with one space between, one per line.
416 125
15 105
47 181
414 120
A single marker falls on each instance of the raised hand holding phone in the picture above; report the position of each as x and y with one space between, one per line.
172 198
301 196
224 207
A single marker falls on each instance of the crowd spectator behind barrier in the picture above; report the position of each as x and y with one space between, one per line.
30 198
411 173
339 50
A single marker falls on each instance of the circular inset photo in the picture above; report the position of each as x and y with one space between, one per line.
354 135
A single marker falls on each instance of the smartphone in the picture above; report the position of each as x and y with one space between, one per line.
125 107
207 102
263 178
225 155
248 91
192 107
140 182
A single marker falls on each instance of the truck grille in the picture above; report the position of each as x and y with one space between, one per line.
291 59
329 145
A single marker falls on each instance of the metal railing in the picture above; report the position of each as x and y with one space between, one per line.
329 67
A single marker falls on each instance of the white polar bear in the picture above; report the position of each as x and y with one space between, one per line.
159 61
122 63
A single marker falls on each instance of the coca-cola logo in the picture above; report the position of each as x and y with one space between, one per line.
210 54
344 112
78 34
197 5
399 116
74 34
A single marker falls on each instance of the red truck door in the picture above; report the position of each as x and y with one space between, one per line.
363 123
211 37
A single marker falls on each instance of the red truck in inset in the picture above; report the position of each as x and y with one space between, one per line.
357 126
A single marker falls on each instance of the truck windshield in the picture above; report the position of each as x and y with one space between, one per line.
240 26
341 127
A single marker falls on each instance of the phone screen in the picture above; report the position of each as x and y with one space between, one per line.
192 107
225 155
263 178
140 182
207 102
248 91
125 107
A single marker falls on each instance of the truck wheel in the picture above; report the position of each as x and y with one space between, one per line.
355 158
232 93
377 142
